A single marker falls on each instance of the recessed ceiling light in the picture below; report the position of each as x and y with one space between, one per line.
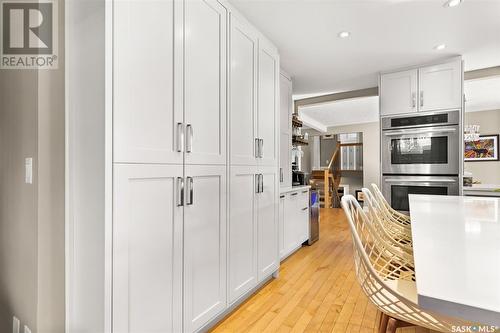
440 47
344 34
452 3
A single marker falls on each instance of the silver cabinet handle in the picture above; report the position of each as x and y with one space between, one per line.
257 183
189 189
261 183
305 191
296 193
256 148
305 208
180 137
281 175
261 148
180 191
282 196
413 100
189 138
421 98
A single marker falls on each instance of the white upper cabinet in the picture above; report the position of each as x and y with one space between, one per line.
146 58
440 86
243 93
242 231
268 101
205 82
286 109
267 214
398 92
147 249
431 88
204 245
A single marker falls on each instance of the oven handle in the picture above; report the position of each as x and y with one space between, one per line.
421 131
409 180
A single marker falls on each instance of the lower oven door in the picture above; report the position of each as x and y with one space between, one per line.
430 150
397 188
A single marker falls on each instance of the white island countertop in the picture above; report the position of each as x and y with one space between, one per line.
456 244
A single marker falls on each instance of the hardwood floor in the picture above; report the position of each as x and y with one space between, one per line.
316 291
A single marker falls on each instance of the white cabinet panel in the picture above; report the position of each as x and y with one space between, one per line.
268 224
242 232
281 225
291 222
286 108
398 92
285 160
440 86
147 249
205 82
145 112
267 103
204 245
243 93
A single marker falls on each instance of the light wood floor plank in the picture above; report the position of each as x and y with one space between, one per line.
317 291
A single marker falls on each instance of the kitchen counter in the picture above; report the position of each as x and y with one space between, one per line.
456 243
485 190
294 188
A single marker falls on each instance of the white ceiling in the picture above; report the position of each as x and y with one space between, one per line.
385 35
481 95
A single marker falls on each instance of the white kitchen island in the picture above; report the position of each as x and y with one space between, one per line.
456 242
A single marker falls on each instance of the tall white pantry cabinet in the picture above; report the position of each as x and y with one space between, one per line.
195 163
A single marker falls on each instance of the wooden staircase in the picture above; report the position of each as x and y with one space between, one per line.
327 181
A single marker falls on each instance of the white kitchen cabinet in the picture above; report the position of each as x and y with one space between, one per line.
243 230
205 82
281 225
147 249
294 221
267 217
145 110
204 244
286 109
440 86
431 88
243 93
398 92
268 102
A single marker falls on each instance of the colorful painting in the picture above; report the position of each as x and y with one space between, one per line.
484 149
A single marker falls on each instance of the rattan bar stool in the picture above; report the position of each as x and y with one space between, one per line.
392 291
388 210
385 225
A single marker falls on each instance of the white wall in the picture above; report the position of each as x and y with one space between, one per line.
487 172
371 149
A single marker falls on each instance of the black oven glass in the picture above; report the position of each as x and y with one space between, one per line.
420 150
420 120
399 194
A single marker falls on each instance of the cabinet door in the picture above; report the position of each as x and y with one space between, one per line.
205 82
242 231
268 252
440 86
291 222
243 93
147 249
268 101
286 106
398 92
281 225
204 245
147 62
285 160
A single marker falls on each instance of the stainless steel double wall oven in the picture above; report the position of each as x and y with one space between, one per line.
421 154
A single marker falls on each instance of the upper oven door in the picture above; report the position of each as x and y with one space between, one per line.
428 150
